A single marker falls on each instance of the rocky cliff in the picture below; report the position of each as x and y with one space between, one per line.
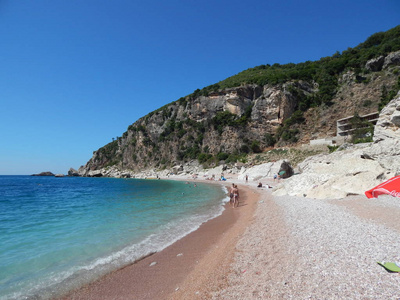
228 123
231 121
353 169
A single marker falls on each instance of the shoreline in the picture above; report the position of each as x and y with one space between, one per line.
198 260
272 247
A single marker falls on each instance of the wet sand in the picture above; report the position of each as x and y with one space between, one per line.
192 268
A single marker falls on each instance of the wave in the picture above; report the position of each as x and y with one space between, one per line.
58 284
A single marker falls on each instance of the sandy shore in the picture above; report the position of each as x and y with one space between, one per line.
192 268
272 248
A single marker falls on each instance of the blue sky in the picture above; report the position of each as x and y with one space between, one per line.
75 74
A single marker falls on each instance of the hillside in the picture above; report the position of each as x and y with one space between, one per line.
260 108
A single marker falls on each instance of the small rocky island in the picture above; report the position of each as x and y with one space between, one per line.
48 174
44 174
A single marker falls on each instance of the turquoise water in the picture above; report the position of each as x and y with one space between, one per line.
59 233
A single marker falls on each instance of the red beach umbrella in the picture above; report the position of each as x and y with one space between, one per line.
389 187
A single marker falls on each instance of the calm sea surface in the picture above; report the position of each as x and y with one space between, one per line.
59 233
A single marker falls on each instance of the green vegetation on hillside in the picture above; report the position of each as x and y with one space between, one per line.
324 71
182 138
389 95
108 153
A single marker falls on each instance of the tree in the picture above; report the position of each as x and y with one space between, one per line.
269 140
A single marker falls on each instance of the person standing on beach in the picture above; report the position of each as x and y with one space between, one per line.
235 192
231 193
247 178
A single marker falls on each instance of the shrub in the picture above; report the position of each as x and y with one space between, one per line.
199 139
386 95
367 139
233 158
203 157
363 130
244 149
332 148
224 118
290 135
222 156
192 152
296 117
269 140
255 147
181 133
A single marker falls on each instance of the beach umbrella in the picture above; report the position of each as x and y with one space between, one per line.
389 187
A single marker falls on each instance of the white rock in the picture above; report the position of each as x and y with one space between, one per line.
258 172
334 175
387 126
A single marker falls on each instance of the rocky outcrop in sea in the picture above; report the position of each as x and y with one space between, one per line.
48 173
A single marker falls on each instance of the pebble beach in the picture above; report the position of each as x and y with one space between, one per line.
300 248
272 247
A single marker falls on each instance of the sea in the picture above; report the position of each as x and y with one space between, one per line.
57 234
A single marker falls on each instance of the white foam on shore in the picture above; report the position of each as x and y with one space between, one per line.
57 284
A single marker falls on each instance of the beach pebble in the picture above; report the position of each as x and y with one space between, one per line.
180 254
329 245
153 264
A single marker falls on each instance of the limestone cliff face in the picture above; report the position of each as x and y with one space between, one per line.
238 119
185 128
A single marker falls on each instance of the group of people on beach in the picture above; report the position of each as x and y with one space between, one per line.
222 178
234 195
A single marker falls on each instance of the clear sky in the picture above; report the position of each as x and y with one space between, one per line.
75 74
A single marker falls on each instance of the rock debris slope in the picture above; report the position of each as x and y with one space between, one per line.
353 170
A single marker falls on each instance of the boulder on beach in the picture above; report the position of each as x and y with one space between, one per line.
266 170
177 169
286 170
